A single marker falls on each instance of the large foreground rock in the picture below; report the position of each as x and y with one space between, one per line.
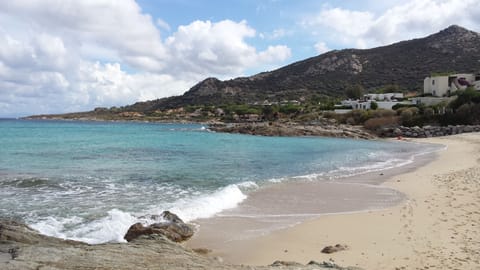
173 228
25 249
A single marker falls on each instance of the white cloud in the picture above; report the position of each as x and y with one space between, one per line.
345 21
163 24
93 85
203 48
60 56
321 47
114 24
275 34
406 20
107 84
274 53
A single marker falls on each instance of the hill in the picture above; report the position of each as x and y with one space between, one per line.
403 64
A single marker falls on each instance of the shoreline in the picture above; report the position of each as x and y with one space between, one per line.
279 206
397 236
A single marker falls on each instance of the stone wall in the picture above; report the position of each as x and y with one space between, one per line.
427 131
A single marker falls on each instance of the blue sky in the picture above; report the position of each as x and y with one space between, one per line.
66 55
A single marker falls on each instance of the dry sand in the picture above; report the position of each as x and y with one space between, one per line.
437 227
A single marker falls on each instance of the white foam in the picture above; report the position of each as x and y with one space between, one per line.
205 206
115 224
371 166
55 226
111 228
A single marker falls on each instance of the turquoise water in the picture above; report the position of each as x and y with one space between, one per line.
91 180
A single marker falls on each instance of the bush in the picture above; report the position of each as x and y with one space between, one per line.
406 116
307 117
329 115
414 110
383 113
290 109
402 106
380 122
354 91
242 109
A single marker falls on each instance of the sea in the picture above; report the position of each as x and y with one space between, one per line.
90 181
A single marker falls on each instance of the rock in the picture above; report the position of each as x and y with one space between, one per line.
173 228
296 129
331 265
285 263
202 251
23 248
336 248
429 131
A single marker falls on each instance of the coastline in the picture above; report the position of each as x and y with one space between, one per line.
436 227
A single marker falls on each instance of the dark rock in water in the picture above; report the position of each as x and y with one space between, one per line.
169 216
336 248
173 228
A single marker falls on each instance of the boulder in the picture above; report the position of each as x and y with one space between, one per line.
173 228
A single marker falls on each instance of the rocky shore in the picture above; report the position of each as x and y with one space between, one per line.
428 131
295 129
23 248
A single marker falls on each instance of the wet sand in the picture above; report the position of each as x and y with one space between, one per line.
435 226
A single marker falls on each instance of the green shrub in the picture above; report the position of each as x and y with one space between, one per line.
290 108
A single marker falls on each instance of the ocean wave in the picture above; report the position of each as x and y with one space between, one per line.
208 205
378 161
113 226
30 182
184 129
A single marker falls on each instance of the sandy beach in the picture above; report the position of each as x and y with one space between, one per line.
437 226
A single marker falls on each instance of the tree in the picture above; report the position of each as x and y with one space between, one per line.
270 112
354 91
373 105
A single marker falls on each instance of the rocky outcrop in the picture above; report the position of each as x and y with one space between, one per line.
427 131
295 129
173 228
23 248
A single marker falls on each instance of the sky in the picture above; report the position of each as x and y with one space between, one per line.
60 56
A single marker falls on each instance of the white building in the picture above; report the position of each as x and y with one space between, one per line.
384 97
441 86
384 101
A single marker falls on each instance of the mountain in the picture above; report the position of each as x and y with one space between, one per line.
405 64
